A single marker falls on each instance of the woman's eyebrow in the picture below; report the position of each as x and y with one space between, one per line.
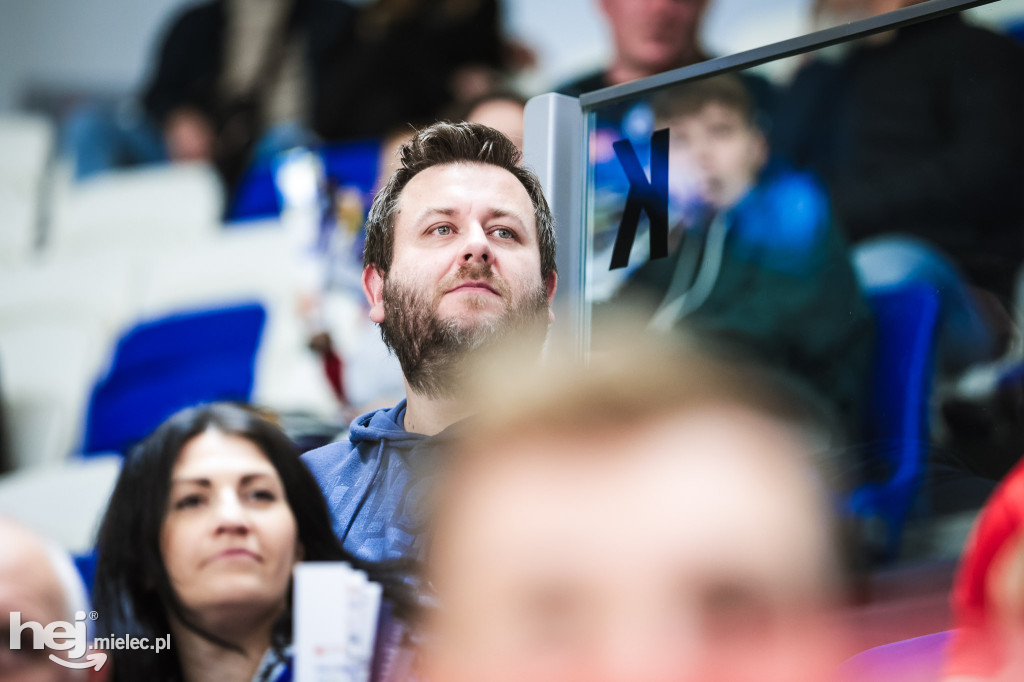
206 482
187 480
249 478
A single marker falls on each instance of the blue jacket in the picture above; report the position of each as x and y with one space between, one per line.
372 484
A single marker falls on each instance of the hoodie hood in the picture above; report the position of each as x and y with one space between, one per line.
374 483
386 424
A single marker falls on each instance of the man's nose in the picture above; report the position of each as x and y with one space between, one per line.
476 248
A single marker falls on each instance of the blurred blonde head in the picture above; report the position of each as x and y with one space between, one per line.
654 516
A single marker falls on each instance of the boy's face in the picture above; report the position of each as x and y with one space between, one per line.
719 151
699 557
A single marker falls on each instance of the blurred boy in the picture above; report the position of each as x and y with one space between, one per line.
759 268
643 521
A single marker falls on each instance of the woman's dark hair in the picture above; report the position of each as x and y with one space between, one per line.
132 591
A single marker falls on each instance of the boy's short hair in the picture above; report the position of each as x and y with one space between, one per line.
689 99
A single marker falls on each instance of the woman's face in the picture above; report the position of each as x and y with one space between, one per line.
229 539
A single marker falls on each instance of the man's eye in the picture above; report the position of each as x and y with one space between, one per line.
188 501
443 230
504 233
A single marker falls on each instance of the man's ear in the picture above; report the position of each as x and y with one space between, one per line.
373 288
550 285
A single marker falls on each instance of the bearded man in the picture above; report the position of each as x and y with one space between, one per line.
460 255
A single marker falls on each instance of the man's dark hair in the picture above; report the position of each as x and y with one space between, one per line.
689 99
446 143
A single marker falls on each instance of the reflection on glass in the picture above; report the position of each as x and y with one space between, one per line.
753 261
893 160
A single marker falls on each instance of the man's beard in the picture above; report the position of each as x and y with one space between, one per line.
432 350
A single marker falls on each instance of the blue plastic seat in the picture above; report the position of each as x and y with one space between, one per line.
354 163
164 365
898 414
86 565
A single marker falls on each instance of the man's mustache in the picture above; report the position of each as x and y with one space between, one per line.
474 272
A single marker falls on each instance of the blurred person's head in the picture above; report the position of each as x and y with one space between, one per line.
652 36
828 13
208 518
646 519
460 253
988 594
39 582
500 110
714 138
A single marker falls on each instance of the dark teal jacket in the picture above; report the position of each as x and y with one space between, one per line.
785 294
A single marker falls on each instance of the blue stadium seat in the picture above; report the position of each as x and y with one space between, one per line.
164 365
353 163
897 423
86 565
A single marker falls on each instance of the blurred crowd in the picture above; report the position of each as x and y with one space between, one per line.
244 78
291 306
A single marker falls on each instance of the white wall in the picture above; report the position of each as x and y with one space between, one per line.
568 36
92 43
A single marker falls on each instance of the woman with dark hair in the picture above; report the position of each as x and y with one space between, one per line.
207 521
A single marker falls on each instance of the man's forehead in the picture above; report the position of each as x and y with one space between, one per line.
448 189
